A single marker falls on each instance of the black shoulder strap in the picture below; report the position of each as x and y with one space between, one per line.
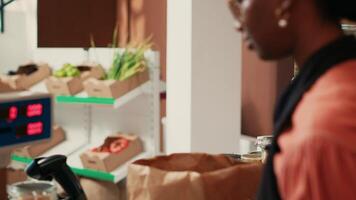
337 52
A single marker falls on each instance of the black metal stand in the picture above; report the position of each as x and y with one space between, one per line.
2 13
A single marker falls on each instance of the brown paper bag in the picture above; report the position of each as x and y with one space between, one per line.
192 177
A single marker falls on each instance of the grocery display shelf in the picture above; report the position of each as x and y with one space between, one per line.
66 147
91 119
116 103
84 99
115 176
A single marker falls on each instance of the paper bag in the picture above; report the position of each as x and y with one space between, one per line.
193 177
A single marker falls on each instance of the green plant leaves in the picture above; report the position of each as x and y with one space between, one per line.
130 61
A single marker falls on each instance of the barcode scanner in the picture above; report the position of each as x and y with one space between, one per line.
55 167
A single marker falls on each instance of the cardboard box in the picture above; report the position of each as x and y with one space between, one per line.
95 189
15 176
106 161
96 72
4 87
72 85
64 86
24 82
113 88
58 136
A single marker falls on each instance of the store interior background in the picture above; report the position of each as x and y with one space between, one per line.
219 94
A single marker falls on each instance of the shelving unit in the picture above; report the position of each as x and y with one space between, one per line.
116 103
75 164
114 176
85 100
88 121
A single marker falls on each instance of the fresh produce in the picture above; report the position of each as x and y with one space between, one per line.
129 62
68 70
24 70
113 145
83 68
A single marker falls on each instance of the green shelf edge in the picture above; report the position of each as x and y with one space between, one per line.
85 100
98 175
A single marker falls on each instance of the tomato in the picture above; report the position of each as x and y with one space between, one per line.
118 145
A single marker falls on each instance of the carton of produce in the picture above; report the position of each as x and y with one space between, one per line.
26 76
114 88
15 176
32 151
4 87
115 151
69 79
128 71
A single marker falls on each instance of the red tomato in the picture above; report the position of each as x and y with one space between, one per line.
118 145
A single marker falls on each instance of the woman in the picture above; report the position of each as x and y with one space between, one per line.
313 155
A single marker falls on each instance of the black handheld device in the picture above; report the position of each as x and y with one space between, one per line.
55 167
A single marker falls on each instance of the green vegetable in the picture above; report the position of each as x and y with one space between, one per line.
129 62
67 70
59 73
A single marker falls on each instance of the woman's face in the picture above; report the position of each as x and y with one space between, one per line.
259 26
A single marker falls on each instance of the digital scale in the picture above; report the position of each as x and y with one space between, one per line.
25 117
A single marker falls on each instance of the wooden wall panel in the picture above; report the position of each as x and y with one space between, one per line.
69 23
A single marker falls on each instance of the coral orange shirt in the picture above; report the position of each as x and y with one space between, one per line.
318 153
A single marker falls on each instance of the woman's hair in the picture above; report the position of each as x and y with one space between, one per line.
338 9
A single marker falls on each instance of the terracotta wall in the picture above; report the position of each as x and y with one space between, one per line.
262 83
70 23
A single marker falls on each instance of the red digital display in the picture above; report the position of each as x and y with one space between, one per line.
13 112
35 128
34 110
25 120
